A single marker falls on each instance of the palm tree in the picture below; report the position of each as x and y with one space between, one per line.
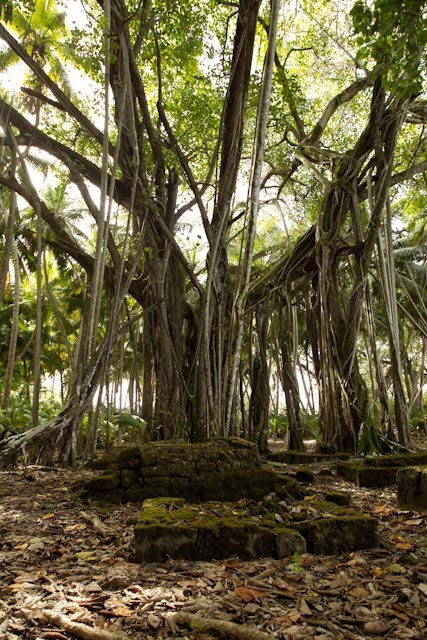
42 34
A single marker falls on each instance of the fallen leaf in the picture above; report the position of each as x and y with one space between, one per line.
49 516
188 584
20 586
400 615
304 608
284 587
154 621
85 555
75 527
117 608
358 592
356 559
415 523
377 627
422 587
380 507
93 587
295 616
247 594
121 612
232 562
404 546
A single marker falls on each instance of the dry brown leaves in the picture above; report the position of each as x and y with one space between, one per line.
75 560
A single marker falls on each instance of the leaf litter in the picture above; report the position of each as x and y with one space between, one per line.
67 571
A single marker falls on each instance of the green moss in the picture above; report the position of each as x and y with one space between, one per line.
148 458
164 502
106 462
217 530
286 487
182 469
79 490
298 457
104 482
137 495
329 508
412 488
340 498
398 460
103 508
182 514
336 535
304 474
155 487
367 476
128 453
129 478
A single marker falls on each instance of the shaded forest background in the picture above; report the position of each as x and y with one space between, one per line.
212 223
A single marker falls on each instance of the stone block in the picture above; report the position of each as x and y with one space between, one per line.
340 534
129 478
301 457
168 528
367 476
412 488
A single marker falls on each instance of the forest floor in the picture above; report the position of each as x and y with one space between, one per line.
67 571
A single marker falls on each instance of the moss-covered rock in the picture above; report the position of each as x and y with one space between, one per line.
224 468
330 529
159 486
397 460
104 482
298 457
128 453
341 498
286 487
106 462
130 478
184 532
336 535
367 476
412 488
212 530
304 474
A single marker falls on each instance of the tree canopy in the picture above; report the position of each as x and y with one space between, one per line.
220 204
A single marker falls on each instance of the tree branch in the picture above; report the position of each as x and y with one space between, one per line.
66 103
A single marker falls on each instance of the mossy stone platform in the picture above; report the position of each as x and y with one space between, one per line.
412 488
298 457
379 471
221 469
170 528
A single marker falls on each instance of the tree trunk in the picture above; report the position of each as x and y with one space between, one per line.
212 383
259 405
288 376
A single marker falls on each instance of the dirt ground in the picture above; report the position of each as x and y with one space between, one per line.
67 571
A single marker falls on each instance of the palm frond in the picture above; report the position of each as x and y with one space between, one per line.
7 59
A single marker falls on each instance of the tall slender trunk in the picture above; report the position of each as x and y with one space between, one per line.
241 294
259 405
388 287
11 357
287 344
211 374
39 322
386 419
